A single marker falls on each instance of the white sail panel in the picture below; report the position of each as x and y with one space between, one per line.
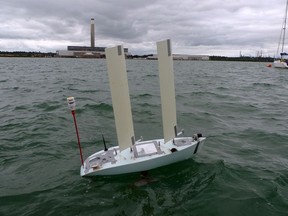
120 96
167 89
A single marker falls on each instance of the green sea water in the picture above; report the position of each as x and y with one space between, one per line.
240 107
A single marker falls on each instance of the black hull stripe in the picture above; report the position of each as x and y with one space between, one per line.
196 149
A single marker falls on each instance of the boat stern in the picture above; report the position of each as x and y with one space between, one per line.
280 64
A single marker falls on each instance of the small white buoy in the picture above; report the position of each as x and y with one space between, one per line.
71 103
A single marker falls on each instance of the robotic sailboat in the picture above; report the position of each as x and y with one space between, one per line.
136 156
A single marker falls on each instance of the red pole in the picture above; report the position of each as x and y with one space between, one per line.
72 105
78 138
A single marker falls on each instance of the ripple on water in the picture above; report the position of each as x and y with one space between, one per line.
240 107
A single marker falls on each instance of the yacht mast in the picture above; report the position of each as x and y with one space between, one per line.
284 27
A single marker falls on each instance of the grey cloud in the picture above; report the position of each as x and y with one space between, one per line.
210 24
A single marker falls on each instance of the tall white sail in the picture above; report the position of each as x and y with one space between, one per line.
120 96
167 89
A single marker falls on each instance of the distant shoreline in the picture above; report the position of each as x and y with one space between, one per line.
23 54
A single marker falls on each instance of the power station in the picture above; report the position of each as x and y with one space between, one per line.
93 51
86 51
92 33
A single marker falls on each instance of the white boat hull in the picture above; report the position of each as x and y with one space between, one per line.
142 156
280 64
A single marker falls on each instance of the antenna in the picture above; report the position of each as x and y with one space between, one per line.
104 143
72 105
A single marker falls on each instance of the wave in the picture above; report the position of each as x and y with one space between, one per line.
144 95
47 106
263 84
151 75
101 107
89 91
21 107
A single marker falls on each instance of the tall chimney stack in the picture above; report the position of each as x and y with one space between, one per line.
92 33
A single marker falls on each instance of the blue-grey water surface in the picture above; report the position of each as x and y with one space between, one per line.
240 107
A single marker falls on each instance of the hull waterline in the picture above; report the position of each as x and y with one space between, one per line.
280 64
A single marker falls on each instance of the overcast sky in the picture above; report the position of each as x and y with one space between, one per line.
212 27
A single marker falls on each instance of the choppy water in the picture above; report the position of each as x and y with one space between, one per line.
240 107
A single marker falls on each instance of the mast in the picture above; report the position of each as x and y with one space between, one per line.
284 27
167 89
120 96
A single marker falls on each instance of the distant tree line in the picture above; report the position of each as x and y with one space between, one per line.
242 58
139 56
222 58
26 54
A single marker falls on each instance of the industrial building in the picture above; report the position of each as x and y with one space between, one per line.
86 51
